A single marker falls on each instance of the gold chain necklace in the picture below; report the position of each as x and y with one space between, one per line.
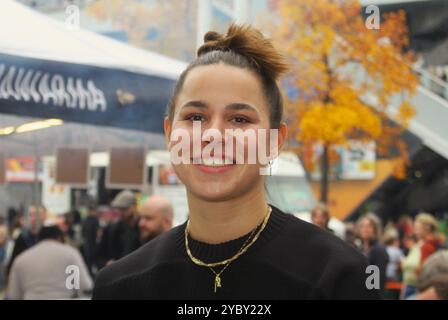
218 274
247 244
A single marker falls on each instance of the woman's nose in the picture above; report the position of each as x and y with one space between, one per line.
214 129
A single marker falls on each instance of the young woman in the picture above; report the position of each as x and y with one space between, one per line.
234 245
425 229
370 232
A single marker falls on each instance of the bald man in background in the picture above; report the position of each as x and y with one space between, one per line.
156 217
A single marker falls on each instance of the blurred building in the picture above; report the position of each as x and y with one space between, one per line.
169 27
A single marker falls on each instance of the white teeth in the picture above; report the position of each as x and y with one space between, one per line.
213 162
207 162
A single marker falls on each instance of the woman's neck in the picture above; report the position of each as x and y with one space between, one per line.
217 222
367 243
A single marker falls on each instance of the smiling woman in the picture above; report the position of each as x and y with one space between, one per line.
234 245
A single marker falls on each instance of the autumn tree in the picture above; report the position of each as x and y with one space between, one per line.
346 77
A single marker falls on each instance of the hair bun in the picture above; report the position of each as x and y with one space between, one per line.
250 43
212 36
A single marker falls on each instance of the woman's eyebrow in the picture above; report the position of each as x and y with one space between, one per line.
237 106
195 104
241 106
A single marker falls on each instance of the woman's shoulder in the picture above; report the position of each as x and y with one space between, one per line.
301 239
162 249
334 268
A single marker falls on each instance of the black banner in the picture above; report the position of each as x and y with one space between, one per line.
81 93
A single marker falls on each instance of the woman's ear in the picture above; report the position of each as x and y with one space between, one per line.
282 135
167 128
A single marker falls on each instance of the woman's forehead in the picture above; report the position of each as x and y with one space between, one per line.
222 84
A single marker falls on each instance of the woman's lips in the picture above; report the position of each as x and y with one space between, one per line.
214 169
215 165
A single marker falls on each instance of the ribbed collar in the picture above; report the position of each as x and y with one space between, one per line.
218 252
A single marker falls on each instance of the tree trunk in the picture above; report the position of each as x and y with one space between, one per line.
324 170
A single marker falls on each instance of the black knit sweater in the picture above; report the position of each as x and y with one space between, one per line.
292 259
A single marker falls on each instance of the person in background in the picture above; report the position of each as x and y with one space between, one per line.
320 216
3 242
396 256
15 226
41 271
156 217
124 234
74 232
90 235
60 220
13 217
405 227
350 234
425 228
27 237
407 243
432 283
369 232
393 275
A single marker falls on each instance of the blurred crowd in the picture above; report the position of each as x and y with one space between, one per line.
410 253
35 248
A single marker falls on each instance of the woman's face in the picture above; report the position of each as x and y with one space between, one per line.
366 230
420 230
220 97
320 218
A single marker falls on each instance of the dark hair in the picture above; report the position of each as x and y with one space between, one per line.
50 232
244 47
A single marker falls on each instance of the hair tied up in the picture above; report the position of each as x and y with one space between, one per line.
250 43
212 36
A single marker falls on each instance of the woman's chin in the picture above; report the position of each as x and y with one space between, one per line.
214 192
218 186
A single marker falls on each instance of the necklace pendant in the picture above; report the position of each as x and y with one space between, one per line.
217 282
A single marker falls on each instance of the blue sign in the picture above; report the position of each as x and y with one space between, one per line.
80 93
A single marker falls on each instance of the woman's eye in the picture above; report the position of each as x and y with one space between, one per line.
240 120
195 117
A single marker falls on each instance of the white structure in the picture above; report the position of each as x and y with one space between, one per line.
24 32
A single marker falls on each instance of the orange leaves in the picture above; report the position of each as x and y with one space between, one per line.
338 62
394 27
335 121
401 162
405 113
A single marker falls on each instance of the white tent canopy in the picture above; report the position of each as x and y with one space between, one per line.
24 32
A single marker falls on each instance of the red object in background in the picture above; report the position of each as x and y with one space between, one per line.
409 229
429 247
394 285
20 169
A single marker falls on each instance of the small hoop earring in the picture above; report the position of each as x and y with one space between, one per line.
270 167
